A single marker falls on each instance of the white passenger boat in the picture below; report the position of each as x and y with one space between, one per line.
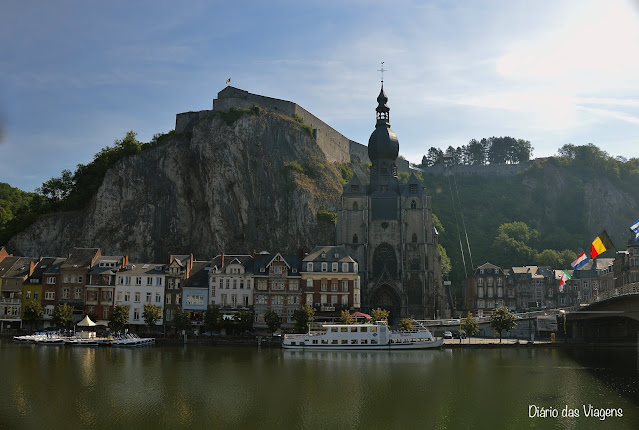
331 337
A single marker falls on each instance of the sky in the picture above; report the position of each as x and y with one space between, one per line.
77 75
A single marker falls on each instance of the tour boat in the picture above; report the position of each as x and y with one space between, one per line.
361 337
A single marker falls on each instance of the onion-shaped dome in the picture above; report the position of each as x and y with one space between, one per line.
383 142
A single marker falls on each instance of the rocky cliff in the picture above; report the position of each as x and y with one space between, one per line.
255 184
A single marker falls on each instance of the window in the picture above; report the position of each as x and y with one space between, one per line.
148 297
345 286
413 189
168 299
344 300
169 314
333 300
49 295
137 297
324 267
158 281
323 299
334 267
127 296
149 280
77 293
414 238
309 267
233 300
136 314
323 286
105 313
50 280
500 292
480 304
480 291
92 296
334 286
158 298
309 283
413 204
79 279
354 189
28 295
138 280
293 285
355 238
127 280
178 297
235 284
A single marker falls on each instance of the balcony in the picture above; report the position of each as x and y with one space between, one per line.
4 301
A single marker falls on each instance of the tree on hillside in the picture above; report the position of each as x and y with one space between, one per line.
434 156
470 325
379 314
62 315
476 154
346 317
502 320
33 313
303 317
151 314
273 321
119 318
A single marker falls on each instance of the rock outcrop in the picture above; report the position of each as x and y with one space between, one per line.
254 185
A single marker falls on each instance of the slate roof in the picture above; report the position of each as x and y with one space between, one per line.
54 267
7 264
42 266
199 275
80 258
329 254
96 269
412 180
143 269
263 261
20 268
246 260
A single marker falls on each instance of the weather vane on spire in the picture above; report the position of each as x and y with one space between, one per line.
382 70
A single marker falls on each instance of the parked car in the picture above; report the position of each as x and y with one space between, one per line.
448 335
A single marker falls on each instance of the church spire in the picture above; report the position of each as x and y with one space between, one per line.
382 110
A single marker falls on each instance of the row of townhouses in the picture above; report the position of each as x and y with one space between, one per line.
537 287
93 284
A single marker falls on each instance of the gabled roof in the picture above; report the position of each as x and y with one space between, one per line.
80 258
20 269
412 180
181 259
143 269
243 259
54 267
7 264
488 266
42 266
329 254
199 275
265 260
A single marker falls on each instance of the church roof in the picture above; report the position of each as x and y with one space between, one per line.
417 189
383 143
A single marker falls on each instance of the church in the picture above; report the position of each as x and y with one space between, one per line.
388 228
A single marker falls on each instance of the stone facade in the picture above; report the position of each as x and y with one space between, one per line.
388 229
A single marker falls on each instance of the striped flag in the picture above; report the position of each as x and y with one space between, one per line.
582 260
600 244
635 228
565 277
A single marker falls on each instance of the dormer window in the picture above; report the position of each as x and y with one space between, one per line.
355 188
413 188
323 255
309 267
324 267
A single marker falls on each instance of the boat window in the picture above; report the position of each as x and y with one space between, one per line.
293 343
324 341
364 341
363 329
334 329
373 341
343 329
353 329
353 341
373 329
344 341
334 342
314 341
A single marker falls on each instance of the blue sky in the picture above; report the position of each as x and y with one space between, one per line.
77 75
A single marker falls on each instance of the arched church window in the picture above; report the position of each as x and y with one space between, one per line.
355 238
355 207
413 204
414 237
384 259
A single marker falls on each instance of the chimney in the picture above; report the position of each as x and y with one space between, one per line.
222 264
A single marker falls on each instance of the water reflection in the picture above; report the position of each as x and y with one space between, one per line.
199 386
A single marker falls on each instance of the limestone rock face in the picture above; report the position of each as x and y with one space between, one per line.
219 189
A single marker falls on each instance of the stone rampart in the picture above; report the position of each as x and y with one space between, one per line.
480 170
185 121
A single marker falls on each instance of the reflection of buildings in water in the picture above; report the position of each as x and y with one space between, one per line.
393 357
87 365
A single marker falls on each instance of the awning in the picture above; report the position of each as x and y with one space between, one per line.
86 322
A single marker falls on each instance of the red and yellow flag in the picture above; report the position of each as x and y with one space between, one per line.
600 244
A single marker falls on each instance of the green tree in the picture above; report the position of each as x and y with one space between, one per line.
406 324
446 264
62 315
502 320
151 314
181 320
346 317
303 317
243 321
119 318
273 321
379 314
212 318
33 313
470 325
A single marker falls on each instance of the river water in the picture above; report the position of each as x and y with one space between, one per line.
206 387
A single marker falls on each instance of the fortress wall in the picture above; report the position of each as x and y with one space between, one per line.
334 144
480 170
186 121
359 152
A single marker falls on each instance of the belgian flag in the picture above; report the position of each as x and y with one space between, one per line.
601 244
